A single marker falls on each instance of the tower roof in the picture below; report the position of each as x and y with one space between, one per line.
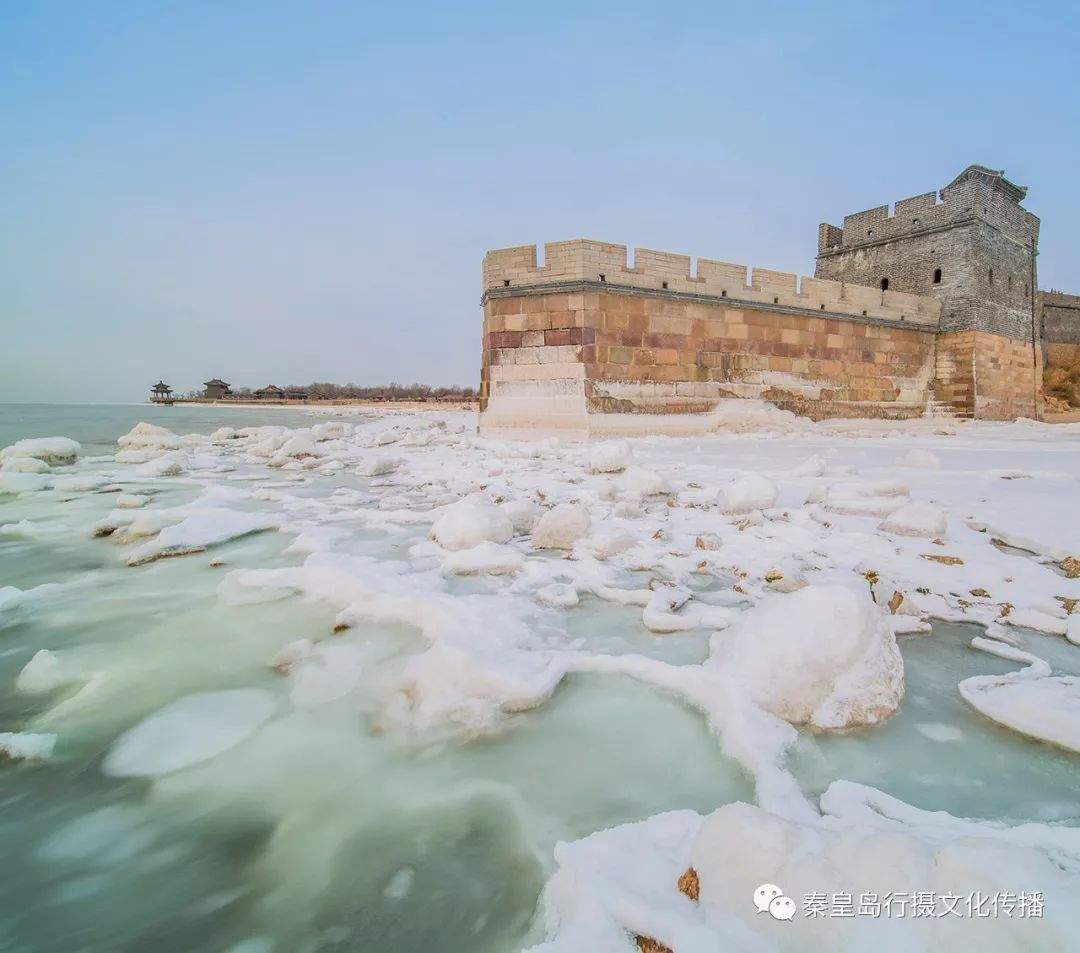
995 177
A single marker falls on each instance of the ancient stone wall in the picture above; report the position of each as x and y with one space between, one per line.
974 251
1060 321
586 342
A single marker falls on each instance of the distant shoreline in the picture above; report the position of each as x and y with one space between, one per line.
344 402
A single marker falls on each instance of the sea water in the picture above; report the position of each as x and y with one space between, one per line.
326 832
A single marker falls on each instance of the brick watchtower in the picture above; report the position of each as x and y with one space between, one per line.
975 251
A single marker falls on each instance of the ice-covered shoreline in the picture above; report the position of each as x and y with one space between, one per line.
801 550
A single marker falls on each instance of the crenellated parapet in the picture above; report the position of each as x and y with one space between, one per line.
977 194
586 264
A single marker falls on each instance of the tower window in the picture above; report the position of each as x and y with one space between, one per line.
603 277
1010 282
914 221
884 284
937 276
870 232
506 282
991 276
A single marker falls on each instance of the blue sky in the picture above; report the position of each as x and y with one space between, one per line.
285 192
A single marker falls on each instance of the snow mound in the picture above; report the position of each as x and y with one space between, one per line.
54 451
916 519
199 531
867 847
880 845
611 457
13 482
470 522
822 656
641 482
24 465
192 729
923 459
558 595
486 557
144 436
747 493
561 527
522 513
745 414
379 466
167 466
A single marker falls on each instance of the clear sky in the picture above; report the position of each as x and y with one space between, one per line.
294 191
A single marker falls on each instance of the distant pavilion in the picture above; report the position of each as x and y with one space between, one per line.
161 392
216 389
270 392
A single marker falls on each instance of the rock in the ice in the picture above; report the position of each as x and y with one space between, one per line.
641 482
523 514
378 465
166 466
611 457
604 545
561 527
299 445
823 656
188 731
291 654
916 519
55 451
26 747
747 493
470 522
131 501
331 430
144 436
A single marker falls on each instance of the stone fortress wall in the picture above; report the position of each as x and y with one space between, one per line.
1060 328
930 307
975 252
588 343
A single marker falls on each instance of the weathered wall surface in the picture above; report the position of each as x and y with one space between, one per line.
975 252
978 236
1060 328
586 339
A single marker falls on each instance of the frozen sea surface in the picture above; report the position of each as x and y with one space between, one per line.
346 744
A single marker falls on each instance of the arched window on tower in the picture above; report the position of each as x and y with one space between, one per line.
884 284
937 276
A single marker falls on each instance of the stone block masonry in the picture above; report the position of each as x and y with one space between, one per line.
935 298
1060 323
974 251
587 343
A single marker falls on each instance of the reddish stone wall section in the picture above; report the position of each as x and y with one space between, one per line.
555 357
988 376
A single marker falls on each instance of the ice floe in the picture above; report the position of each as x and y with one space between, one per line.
188 731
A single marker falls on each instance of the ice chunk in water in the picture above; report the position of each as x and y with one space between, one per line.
188 731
